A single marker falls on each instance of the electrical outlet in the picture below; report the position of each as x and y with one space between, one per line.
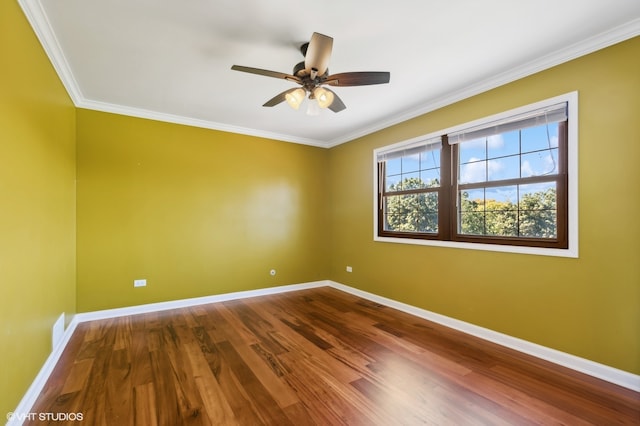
349 269
139 283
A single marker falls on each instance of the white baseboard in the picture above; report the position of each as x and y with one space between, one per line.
601 371
183 303
29 398
592 368
57 332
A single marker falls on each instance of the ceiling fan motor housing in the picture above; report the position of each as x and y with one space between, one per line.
303 48
298 69
308 81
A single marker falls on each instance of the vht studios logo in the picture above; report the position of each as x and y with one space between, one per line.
46 417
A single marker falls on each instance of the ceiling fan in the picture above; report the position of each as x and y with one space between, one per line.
312 74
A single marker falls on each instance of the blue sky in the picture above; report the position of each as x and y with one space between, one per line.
533 152
498 157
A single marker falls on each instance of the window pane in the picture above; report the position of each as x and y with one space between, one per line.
540 163
538 215
430 160
412 181
411 163
502 221
540 137
471 200
472 223
503 145
393 183
473 150
505 194
473 172
415 171
412 213
471 215
504 168
490 211
393 167
431 178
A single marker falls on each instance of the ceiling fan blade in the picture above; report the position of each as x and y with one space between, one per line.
280 97
318 53
363 78
337 105
274 74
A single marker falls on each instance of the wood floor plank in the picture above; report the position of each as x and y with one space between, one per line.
228 324
312 357
239 400
298 343
217 409
119 390
145 407
299 415
215 404
263 362
166 398
262 400
320 398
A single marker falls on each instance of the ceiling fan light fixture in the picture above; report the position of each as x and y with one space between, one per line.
324 97
295 98
312 73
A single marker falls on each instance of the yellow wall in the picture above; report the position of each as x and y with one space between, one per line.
199 212
37 205
589 306
196 212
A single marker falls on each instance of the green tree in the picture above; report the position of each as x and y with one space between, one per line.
471 215
538 214
490 217
534 216
412 212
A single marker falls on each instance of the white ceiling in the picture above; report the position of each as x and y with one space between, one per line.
170 59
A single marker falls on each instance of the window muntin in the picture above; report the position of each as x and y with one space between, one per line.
504 182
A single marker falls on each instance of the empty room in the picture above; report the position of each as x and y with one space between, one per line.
293 212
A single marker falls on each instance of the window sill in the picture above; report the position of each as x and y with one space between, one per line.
571 252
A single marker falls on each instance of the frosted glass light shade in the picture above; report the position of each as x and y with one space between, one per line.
295 98
324 97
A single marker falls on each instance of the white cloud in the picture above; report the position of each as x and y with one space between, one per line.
495 141
474 171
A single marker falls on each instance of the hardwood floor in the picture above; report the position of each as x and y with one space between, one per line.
312 357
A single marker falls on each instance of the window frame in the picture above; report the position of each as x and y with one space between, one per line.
448 235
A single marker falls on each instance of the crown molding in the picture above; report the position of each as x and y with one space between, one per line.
37 18
41 26
194 122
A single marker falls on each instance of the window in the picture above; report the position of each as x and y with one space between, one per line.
504 183
410 189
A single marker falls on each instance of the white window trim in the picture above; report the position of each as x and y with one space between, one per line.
572 196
